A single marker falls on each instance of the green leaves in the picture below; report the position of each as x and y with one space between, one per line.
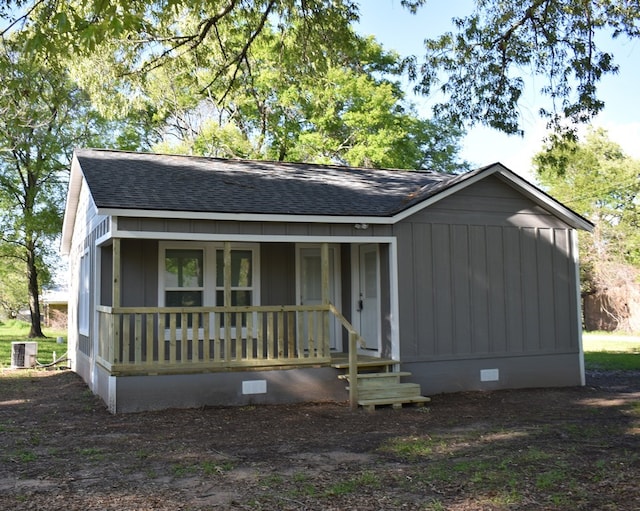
481 68
339 105
597 180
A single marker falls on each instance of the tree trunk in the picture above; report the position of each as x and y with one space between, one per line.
34 293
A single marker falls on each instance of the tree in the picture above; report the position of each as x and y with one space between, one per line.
43 116
598 180
485 61
349 111
13 292
479 67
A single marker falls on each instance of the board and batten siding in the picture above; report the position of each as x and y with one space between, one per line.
487 275
222 227
88 227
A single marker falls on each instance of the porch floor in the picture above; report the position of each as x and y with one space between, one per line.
341 361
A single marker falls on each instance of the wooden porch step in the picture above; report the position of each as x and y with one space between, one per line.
389 391
369 376
370 404
378 384
372 362
379 381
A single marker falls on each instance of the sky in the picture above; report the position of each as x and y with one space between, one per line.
397 29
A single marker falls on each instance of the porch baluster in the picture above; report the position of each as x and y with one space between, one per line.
206 335
173 348
291 334
250 341
195 337
137 340
217 342
126 337
184 343
150 337
270 336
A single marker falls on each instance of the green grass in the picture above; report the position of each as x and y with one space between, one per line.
599 341
13 330
606 351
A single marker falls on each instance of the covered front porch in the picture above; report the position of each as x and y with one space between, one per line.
181 340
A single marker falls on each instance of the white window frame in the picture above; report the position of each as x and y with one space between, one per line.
84 294
210 286
209 271
164 288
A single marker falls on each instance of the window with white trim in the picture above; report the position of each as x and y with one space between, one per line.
183 277
83 294
192 275
241 277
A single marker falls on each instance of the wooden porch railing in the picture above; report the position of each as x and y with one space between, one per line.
149 340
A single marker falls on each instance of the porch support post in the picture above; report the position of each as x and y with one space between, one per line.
116 293
353 369
227 273
324 265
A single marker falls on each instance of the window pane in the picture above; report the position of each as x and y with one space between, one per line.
371 274
241 298
183 298
183 268
311 275
241 268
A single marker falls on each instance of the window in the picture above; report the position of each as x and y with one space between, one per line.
83 295
241 277
192 275
183 277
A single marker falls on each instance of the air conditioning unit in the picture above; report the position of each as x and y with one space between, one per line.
23 354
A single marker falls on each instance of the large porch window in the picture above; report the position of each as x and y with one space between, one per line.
241 277
184 277
193 275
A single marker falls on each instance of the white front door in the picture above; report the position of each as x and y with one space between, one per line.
309 283
367 294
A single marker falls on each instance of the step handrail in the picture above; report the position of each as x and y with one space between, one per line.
354 339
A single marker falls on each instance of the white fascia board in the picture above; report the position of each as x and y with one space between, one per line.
71 205
546 201
245 217
442 195
523 186
248 238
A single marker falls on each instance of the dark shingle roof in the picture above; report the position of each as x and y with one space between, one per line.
125 180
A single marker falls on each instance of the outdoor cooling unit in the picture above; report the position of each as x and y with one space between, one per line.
23 354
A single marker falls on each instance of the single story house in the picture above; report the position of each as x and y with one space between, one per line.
55 304
202 281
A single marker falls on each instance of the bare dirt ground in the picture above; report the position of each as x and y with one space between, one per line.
571 448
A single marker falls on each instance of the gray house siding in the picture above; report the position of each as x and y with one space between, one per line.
139 273
277 275
160 225
494 288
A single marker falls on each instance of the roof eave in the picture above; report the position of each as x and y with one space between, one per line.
244 217
71 205
545 201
